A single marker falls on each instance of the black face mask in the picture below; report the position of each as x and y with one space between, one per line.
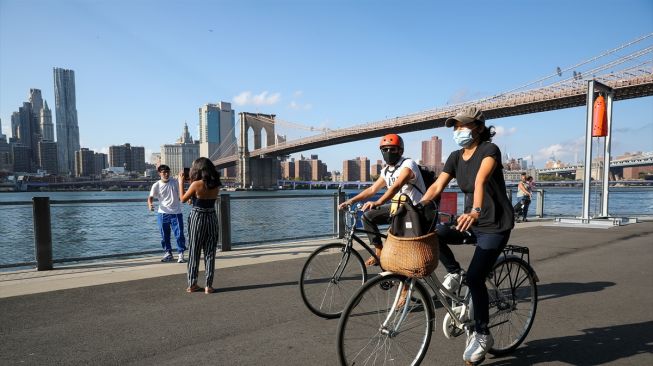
391 158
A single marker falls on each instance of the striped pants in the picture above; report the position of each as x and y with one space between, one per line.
203 236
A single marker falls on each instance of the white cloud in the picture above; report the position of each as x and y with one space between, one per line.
502 131
298 94
264 98
567 151
297 106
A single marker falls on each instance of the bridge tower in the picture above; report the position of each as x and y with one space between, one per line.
256 172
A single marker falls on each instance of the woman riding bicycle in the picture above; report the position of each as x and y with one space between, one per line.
400 176
488 214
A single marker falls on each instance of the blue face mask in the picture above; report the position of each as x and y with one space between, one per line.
463 137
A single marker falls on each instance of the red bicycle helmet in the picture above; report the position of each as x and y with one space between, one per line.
392 139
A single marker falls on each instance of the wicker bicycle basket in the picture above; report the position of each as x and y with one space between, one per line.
411 256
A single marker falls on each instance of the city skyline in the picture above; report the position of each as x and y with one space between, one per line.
323 71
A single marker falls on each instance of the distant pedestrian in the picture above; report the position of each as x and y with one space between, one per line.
524 194
169 215
202 221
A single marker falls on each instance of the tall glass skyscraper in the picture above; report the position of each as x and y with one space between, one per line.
217 134
66 112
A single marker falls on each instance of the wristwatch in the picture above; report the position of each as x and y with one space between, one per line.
477 210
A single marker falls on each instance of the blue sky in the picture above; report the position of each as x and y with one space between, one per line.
144 67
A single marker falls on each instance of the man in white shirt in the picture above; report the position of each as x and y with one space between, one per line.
400 176
169 215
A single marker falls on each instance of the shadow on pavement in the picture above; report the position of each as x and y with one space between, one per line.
254 287
596 346
561 289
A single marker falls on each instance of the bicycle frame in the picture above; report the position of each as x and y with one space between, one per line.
351 237
433 283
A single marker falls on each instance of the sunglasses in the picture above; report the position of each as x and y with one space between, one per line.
390 149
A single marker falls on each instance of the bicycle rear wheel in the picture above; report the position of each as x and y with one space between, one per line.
330 276
512 293
370 333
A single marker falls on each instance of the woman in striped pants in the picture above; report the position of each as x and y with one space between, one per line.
202 222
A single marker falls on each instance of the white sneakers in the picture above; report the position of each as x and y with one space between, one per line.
477 347
452 281
169 258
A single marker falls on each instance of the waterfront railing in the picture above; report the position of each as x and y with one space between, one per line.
79 230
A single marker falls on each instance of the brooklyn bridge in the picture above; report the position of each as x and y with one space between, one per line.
627 69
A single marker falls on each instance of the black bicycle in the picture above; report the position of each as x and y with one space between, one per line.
335 271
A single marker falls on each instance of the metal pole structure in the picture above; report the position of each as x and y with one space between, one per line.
606 156
585 214
42 233
539 209
224 222
339 216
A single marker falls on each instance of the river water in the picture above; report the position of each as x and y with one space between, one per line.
92 229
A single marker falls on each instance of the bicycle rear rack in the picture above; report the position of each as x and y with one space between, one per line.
518 251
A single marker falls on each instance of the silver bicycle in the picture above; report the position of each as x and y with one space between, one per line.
377 329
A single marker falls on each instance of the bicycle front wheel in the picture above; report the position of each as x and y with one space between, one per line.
331 275
512 294
371 333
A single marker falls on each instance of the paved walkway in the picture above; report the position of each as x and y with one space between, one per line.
596 307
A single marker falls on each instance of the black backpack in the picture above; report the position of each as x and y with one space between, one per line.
428 177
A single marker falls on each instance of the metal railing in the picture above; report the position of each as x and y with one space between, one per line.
42 226
230 209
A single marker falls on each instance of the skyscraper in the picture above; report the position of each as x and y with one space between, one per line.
47 128
47 156
66 112
5 152
432 154
85 163
36 103
21 123
217 132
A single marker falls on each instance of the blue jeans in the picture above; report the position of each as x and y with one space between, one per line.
176 222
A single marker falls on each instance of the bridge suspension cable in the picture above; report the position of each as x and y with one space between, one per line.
281 122
224 149
578 65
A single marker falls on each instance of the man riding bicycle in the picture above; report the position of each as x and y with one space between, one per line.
400 176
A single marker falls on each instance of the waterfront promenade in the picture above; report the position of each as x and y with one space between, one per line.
595 292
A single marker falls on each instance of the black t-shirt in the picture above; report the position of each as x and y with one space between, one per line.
496 212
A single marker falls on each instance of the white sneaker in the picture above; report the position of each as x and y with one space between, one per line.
477 347
167 257
180 258
452 281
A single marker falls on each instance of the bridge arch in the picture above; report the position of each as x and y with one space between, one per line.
262 126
